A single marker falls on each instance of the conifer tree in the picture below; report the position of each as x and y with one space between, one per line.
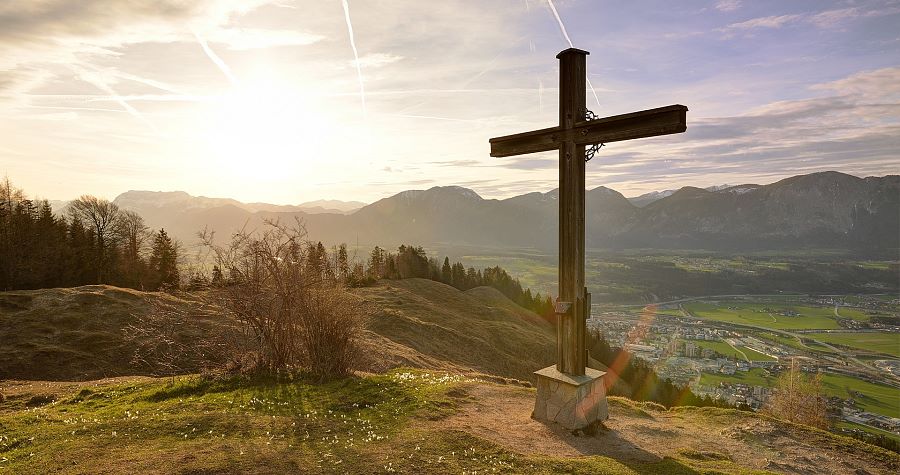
164 261
446 272
343 264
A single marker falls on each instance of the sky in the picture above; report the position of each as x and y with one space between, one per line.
286 101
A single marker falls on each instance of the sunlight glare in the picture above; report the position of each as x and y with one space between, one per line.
262 130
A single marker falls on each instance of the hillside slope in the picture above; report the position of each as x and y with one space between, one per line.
401 422
77 334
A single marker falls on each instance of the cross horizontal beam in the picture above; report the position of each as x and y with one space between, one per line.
635 125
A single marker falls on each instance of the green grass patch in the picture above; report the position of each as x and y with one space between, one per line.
871 397
754 377
872 430
885 343
220 423
287 425
721 348
766 315
854 314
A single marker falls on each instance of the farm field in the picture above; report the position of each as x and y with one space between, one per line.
852 425
876 398
853 313
725 349
754 377
807 318
792 342
886 343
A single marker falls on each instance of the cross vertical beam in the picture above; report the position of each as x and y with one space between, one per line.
570 329
573 133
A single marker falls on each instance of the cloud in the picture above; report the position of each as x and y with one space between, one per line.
376 60
825 19
774 21
242 39
831 18
34 35
728 5
873 85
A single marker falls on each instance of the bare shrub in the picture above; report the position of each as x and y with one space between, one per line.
799 398
170 340
293 307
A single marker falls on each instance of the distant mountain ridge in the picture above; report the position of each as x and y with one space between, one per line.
647 198
819 210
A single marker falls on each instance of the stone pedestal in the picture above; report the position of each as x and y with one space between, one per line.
573 402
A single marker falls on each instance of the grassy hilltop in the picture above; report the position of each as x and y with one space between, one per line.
403 421
441 391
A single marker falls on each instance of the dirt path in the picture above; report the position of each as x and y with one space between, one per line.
502 415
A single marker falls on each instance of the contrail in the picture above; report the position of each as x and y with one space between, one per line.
362 89
562 27
565 33
541 95
217 60
86 76
431 117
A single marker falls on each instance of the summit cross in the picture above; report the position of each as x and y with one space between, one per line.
578 128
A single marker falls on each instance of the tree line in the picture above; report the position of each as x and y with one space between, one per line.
94 242
411 261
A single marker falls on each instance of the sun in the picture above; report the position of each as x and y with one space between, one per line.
265 130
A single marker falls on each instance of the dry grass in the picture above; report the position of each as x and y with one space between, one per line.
77 334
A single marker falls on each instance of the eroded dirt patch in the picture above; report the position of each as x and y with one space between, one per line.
502 415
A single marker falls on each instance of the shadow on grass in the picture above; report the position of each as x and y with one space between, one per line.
298 391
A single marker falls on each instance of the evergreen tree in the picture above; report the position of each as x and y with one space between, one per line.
164 262
343 264
376 263
446 273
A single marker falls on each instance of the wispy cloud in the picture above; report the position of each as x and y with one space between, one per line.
825 19
243 39
376 60
774 21
728 5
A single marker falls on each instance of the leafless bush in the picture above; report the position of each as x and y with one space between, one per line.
295 311
799 398
169 340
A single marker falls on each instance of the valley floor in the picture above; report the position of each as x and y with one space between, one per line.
403 421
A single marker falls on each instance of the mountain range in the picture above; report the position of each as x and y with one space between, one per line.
820 210
647 198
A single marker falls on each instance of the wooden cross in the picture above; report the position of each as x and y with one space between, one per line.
578 128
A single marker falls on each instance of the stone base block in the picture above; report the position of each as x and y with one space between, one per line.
573 402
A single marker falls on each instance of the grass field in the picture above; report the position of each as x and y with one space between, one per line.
853 313
809 318
886 343
754 377
874 430
876 398
725 349
793 342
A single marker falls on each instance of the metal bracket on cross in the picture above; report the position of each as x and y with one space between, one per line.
589 152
